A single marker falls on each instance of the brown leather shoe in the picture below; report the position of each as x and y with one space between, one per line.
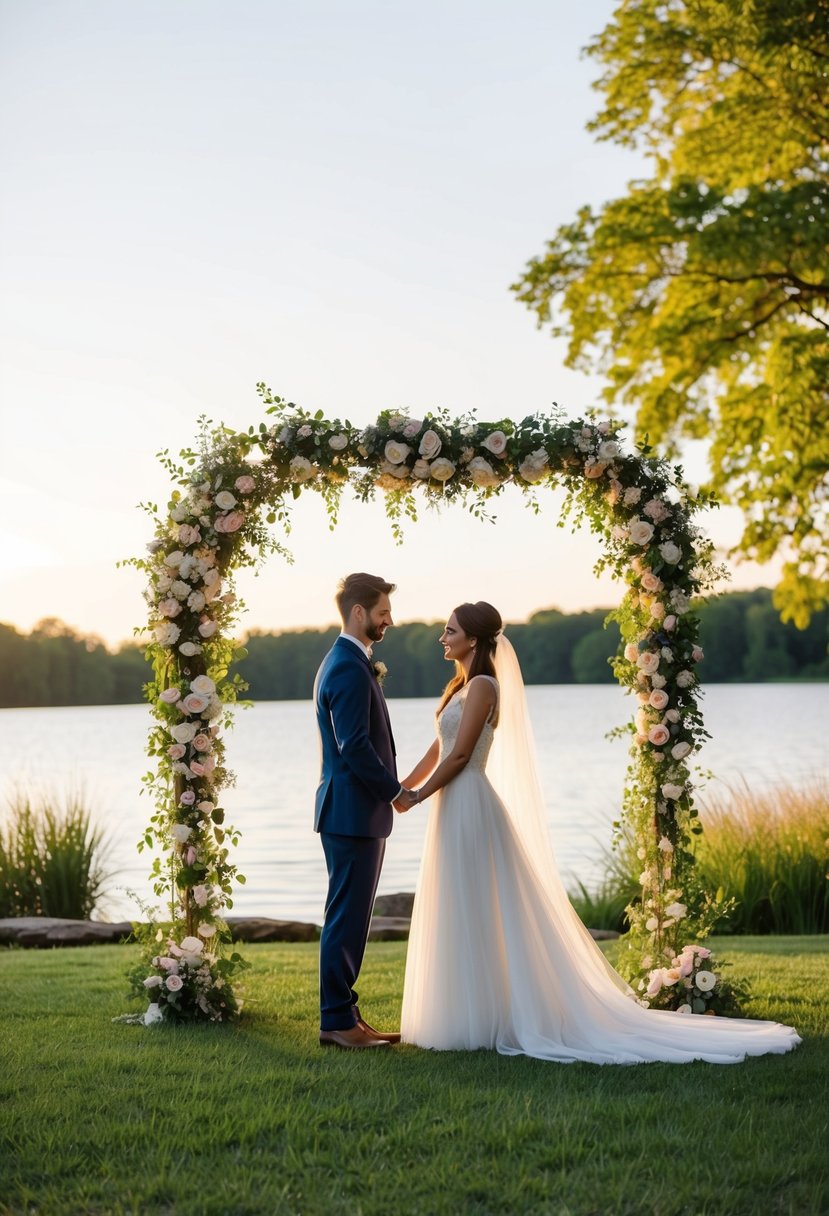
351 1039
391 1036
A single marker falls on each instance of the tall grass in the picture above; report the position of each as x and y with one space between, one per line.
52 861
770 852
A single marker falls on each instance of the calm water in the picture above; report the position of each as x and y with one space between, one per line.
767 734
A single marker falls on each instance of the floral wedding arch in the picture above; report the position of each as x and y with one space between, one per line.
229 494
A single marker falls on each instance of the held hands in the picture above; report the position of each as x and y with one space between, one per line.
407 799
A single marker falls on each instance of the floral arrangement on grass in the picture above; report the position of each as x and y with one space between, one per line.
692 984
235 485
189 981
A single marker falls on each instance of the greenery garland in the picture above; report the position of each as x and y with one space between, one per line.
235 486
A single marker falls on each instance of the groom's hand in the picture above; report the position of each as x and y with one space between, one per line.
406 800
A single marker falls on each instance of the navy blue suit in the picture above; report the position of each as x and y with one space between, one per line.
353 815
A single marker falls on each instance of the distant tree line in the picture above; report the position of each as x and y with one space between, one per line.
742 635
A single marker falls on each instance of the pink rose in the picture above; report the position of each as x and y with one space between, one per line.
187 798
168 964
174 983
201 743
659 734
697 654
171 695
631 652
669 623
188 535
656 510
412 428
430 445
658 699
655 982
193 703
201 896
244 484
190 855
594 469
231 522
207 628
640 531
170 607
651 582
648 662
176 750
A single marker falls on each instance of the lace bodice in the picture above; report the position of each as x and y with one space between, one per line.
449 723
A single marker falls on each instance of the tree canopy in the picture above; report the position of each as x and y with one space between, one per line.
702 293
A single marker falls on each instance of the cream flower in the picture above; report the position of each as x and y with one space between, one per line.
640 531
301 469
422 470
705 980
680 750
685 679
670 552
648 662
672 791
396 452
677 911
338 442
481 472
430 445
658 700
180 832
631 496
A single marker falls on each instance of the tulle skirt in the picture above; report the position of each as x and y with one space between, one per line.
494 962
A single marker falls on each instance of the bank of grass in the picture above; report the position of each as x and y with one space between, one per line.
199 1121
769 852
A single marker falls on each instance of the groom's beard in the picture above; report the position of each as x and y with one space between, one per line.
375 633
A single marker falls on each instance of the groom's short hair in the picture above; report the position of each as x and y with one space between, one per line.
364 589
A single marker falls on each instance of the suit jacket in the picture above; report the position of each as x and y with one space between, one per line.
359 767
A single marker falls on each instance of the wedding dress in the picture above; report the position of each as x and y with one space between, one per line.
498 957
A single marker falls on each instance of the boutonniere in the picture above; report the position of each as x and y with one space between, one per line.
380 672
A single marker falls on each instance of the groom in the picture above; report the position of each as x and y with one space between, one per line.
358 785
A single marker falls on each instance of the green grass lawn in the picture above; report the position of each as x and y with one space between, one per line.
256 1118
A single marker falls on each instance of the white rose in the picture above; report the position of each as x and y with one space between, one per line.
640 531
442 469
705 980
495 443
181 832
672 791
658 681
305 431
684 679
184 732
670 552
631 496
180 589
396 452
651 923
680 602
167 634
187 565
608 449
677 911
192 945
301 469
208 628
203 685
206 930
224 500
672 715
481 472
174 559
179 512
152 981
430 445
680 750
195 601
188 649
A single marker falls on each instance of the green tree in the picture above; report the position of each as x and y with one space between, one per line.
702 294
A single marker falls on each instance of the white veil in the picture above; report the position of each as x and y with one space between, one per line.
513 770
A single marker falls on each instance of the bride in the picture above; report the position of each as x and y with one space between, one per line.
497 957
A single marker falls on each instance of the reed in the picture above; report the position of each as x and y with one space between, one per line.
770 852
53 860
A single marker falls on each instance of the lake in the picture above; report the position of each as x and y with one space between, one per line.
764 734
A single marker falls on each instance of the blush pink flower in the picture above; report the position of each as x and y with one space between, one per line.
231 522
193 703
171 695
188 535
659 734
244 484
658 699
170 607
174 983
176 750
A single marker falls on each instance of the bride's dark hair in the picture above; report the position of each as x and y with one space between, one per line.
483 623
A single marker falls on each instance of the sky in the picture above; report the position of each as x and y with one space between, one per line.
332 199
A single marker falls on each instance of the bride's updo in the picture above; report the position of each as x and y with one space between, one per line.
482 623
